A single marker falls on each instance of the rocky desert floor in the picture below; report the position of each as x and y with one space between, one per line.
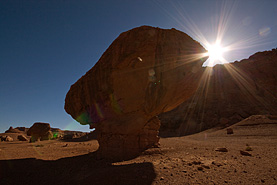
193 159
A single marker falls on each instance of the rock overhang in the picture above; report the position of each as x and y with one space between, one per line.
144 72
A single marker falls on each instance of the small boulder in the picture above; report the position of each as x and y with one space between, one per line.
221 150
245 153
6 138
9 139
22 138
230 131
38 131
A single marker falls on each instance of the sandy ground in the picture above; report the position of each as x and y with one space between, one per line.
180 160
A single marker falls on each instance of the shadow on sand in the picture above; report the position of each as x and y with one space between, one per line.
84 169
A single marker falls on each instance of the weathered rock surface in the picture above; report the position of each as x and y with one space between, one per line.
38 131
144 72
227 94
22 138
47 136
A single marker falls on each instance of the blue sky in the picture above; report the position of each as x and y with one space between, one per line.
46 46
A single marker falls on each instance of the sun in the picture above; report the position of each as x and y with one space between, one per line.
215 54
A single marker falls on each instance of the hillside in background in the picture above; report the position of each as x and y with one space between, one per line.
226 95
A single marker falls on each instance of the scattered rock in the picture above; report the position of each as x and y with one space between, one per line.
6 138
162 178
205 166
216 164
230 131
221 150
22 138
245 153
196 162
200 168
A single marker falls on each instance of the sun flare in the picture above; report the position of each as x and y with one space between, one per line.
215 54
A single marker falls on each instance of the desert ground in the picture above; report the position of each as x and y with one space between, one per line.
192 159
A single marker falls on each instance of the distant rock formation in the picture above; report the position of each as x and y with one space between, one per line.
144 72
39 131
12 130
57 133
227 94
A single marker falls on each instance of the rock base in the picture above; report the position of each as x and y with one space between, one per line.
126 146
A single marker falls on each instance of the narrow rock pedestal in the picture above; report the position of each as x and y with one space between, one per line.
115 146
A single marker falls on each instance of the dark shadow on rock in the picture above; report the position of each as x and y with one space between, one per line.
84 169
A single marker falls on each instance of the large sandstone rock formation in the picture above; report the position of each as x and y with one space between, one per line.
39 131
145 71
228 93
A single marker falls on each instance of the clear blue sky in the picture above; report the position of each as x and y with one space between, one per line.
46 46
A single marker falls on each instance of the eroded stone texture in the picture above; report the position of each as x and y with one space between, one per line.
144 72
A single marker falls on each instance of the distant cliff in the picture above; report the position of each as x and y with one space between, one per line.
227 94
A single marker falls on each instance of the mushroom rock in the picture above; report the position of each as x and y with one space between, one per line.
144 72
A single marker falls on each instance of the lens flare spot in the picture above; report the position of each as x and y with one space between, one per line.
98 110
264 31
115 104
